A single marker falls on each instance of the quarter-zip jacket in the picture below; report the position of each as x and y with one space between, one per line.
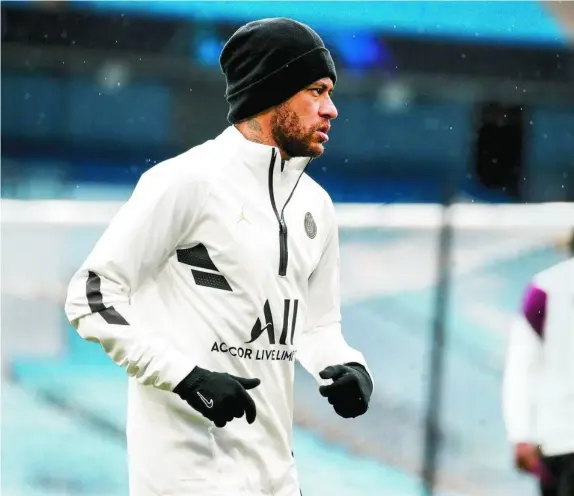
538 386
226 257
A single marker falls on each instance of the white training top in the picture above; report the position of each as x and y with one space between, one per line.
224 257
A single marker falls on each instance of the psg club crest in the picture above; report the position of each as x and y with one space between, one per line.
310 226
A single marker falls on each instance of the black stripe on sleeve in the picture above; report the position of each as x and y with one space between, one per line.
96 301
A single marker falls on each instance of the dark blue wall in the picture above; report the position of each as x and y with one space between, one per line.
79 131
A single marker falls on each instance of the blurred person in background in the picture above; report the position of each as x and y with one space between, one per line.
538 387
220 270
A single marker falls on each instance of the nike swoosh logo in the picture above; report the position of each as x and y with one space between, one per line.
208 403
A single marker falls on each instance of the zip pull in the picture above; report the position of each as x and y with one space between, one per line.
283 250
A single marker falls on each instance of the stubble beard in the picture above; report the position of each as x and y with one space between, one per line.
290 135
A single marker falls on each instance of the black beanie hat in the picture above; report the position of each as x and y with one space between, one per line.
266 62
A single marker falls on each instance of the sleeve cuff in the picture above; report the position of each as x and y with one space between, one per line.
177 370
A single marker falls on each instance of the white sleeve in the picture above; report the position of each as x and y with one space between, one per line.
322 342
134 247
519 382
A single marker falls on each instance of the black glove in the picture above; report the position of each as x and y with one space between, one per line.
350 391
220 397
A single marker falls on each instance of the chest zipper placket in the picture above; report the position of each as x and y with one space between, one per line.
283 247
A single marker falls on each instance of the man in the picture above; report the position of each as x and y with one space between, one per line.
218 273
538 389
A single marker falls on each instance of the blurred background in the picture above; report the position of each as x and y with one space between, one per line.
440 103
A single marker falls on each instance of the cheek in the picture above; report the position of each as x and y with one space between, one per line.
303 118
310 120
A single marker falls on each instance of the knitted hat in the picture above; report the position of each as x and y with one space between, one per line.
266 62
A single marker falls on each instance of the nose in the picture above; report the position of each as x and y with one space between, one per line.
328 109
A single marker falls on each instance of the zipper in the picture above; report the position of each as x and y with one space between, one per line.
283 247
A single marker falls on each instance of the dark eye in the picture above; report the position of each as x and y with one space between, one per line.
317 91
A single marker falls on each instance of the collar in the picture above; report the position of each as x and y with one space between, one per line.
257 155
